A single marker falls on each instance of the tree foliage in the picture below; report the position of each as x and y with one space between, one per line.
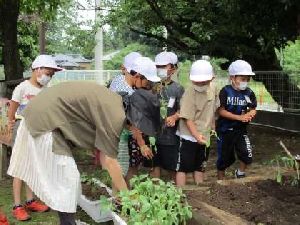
18 37
227 28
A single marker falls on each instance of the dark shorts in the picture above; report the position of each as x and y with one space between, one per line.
191 157
136 157
233 142
168 156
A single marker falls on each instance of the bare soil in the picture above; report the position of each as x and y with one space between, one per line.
257 199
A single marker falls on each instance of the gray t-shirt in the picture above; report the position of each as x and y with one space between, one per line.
80 114
172 94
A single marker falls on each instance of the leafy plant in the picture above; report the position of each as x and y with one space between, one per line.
288 162
151 202
152 143
163 108
210 134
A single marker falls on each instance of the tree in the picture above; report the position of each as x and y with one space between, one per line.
10 12
226 28
230 29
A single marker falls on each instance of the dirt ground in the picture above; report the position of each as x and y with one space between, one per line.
257 199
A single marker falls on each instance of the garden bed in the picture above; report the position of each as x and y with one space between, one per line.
256 199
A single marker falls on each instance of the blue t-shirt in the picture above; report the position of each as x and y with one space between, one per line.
236 102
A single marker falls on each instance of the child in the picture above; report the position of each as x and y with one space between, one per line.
43 68
125 83
197 113
238 103
170 93
143 114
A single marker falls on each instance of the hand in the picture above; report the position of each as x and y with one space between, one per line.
146 152
251 113
170 121
245 118
11 124
201 139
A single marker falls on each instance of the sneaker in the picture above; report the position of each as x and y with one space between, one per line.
20 214
36 206
239 176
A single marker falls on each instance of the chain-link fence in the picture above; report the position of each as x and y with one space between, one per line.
100 76
275 90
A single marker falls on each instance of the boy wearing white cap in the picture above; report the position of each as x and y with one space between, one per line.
238 107
125 83
143 102
197 116
43 68
171 93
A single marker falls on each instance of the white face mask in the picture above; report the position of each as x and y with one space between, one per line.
243 85
162 73
43 79
200 88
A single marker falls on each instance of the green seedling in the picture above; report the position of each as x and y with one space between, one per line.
152 201
210 134
288 162
163 109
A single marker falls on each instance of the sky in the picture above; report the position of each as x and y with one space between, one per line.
88 13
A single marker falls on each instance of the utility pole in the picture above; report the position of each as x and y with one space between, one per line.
99 44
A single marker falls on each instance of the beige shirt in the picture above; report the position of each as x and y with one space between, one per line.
80 114
200 107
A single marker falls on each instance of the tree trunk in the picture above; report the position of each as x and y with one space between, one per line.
11 57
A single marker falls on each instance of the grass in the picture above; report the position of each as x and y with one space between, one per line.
51 218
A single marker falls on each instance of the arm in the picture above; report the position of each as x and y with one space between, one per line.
146 151
200 138
114 170
228 115
171 120
11 113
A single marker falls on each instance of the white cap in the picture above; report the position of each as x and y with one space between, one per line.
174 58
163 59
129 60
240 67
201 70
146 67
45 61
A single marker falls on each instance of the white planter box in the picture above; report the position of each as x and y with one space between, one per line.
93 208
117 219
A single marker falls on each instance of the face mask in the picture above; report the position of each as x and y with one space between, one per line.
43 80
162 73
243 86
200 88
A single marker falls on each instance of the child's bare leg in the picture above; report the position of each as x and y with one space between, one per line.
242 166
180 179
17 188
133 170
221 174
198 177
155 172
29 193
172 175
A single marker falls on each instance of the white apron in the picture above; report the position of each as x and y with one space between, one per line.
54 178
